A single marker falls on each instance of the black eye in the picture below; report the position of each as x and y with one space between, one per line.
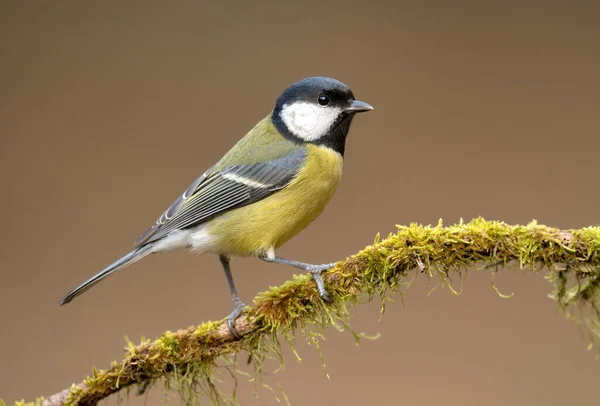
323 100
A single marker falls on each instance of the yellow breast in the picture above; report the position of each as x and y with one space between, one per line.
269 223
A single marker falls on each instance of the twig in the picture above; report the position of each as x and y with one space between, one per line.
191 354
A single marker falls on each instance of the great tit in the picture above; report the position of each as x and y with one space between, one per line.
271 185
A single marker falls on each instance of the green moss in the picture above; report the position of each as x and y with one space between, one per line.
186 359
37 402
206 327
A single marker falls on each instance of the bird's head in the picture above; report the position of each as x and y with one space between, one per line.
317 110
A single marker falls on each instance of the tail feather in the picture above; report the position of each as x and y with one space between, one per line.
121 263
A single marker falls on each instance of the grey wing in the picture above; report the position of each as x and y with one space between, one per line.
217 191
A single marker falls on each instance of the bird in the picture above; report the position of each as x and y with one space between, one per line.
267 188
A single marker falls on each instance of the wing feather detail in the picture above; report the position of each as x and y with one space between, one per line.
218 191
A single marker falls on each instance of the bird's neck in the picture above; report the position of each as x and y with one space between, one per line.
334 139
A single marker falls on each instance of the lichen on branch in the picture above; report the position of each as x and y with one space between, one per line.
188 357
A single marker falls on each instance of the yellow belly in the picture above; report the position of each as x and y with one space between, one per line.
271 222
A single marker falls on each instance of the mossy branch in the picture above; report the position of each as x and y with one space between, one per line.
571 256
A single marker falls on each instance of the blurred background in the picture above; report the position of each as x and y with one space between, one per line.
108 110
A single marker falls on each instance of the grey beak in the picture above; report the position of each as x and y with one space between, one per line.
358 107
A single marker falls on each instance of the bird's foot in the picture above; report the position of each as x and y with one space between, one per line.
238 308
316 271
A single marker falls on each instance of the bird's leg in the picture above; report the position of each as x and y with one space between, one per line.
315 271
238 305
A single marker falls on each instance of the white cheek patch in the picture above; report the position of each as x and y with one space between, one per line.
309 121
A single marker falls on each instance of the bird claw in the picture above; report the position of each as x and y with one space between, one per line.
233 316
320 268
316 271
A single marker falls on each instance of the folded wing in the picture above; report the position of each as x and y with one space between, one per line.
217 191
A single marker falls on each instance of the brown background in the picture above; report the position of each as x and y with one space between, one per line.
109 110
